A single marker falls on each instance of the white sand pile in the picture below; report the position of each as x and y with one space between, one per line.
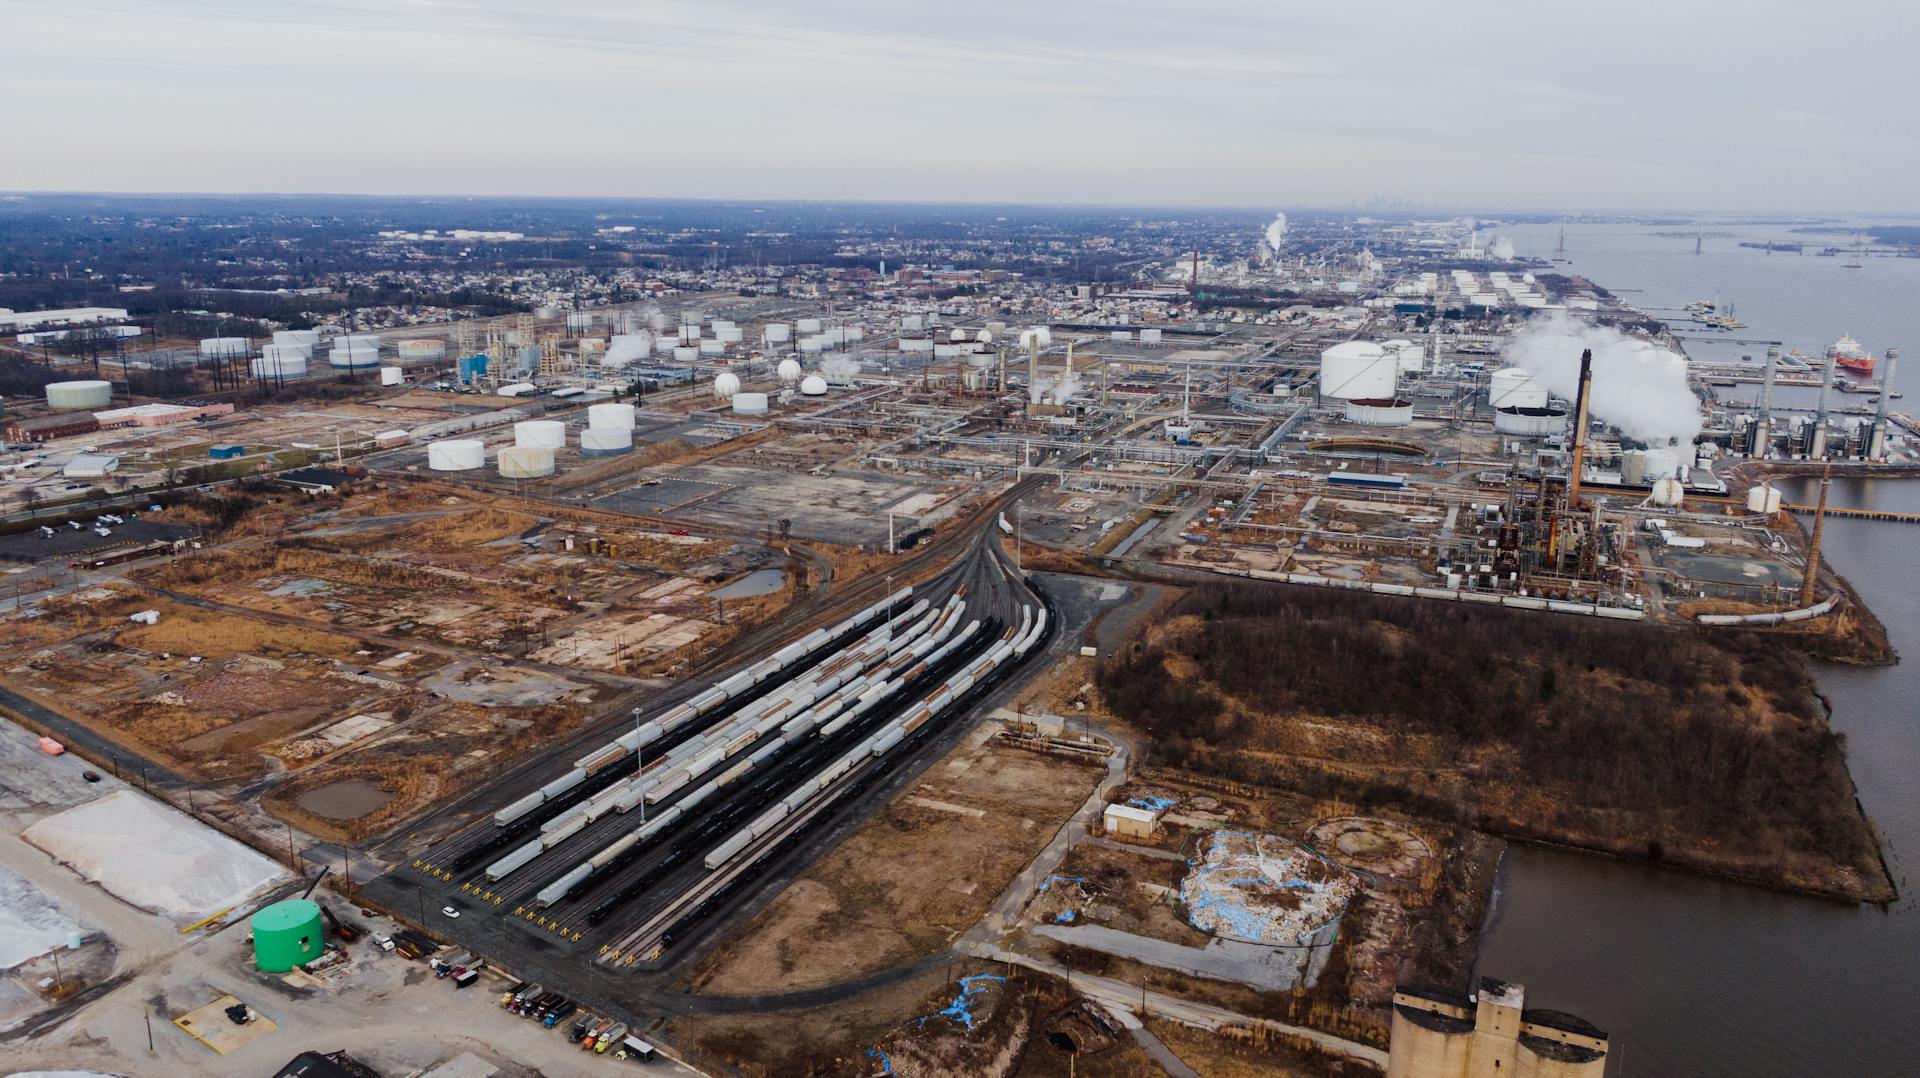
153 857
31 924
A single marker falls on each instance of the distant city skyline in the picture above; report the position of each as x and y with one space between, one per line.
1236 104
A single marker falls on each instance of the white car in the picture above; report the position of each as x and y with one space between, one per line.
449 911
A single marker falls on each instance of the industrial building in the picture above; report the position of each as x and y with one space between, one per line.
22 321
1439 1033
45 428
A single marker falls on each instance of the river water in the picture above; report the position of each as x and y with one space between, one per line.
1696 977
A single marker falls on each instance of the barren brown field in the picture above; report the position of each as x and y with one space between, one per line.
920 872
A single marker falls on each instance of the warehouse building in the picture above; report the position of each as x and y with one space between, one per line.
67 316
45 428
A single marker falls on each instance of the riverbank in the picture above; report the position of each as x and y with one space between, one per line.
1701 750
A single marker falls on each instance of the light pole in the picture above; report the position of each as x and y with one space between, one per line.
636 762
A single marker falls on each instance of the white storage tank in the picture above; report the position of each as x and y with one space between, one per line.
1764 498
1410 357
956 336
712 346
949 351
422 349
789 371
777 332
456 455
813 386
526 462
1357 370
605 441
610 416
686 353
89 393
813 346
666 344
1530 422
916 344
1149 336
690 334
749 404
853 334
539 434
1512 387
808 325
281 364
911 322
727 334
297 338
726 384
224 347
391 376
1668 491
357 350
1660 464
1380 412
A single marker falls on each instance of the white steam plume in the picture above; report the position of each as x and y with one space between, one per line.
1054 390
840 368
1038 334
1501 249
1275 235
627 348
1638 386
656 318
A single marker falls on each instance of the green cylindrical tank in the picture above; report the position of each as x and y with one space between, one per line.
287 934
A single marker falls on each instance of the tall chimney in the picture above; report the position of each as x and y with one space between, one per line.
1877 444
1809 587
1763 424
1817 443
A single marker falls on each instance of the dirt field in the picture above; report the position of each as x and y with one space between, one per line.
1226 1055
923 870
973 1024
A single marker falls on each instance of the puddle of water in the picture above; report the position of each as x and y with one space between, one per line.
758 582
346 800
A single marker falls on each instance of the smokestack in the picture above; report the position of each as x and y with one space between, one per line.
1877 444
1580 405
1763 426
1817 442
1809 586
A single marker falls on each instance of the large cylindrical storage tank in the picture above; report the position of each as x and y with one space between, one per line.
605 441
666 344
1764 498
287 935
224 347
1383 412
88 393
749 404
539 434
808 325
610 416
728 334
422 349
456 455
1661 464
526 462
813 345
1411 358
282 362
1530 422
712 346
298 338
1633 467
948 351
813 386
912 322
1515 388
690 334
852 335
777 332
1357 370
916 344
358 350
686 353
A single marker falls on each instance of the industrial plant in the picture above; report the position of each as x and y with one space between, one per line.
759 653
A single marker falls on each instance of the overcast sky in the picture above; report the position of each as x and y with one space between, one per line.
1252 103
